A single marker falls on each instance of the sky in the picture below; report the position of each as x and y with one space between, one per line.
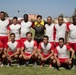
43 7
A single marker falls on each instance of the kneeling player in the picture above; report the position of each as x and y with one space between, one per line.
12 49
29 48
45 51
61 54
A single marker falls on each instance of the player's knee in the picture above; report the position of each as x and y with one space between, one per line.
70 62
52 57
16 56
20 56
36 55
3 56
54 61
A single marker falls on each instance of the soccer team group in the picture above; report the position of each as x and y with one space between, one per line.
51 41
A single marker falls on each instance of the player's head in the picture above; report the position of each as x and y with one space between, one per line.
15 20
2 15
12 36
49 20
60 20
74 20
39 18
61 42
45 39
29 36
25 17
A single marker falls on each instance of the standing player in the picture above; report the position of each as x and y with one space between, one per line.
39 29
72 34
1 54
60 30
14 28
29 48
49 29
12 49
45 51
25 27
3 28
61 54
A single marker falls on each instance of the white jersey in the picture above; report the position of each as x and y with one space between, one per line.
62 52
60 31
45 49
72 35
29 46
3 27
25 27
12 46
49 31
15 29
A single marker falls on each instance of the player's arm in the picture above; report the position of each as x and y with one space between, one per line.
16 53
5 52
34 51
39 52
54 33
56 54
72 51
67 33
35 48
51 54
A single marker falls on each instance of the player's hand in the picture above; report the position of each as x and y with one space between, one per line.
70 59
45 59
42 59
29 57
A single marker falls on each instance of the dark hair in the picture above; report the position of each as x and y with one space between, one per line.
73 17
49 17
61 17
3 12
28 33
61 39
25 15
46 37
12 34
39 16
15 17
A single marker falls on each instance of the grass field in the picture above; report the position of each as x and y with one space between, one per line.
23 70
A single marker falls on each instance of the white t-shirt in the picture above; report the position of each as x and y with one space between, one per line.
45 49
62 52
72 35
25 27
15 29
60 31
12 46
49 31
3 27
29 46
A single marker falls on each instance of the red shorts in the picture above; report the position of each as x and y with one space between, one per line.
4 40
72 45
10 53
26 54
45 55
62 60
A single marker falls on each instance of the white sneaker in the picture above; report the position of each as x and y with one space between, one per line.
18 65
8 65
2 65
